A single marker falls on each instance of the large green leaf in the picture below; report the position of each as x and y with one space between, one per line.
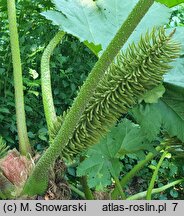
127 137
149 118
131 137
174 98
98 21
174 79
176 75
152 117
171 3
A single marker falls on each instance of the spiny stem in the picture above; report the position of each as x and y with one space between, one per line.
48 103
155 173
40 173
83 180
24 146
86 189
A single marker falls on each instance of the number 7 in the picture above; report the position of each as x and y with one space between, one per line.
175 204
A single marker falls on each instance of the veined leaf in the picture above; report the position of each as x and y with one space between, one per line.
153 117
174 79
127 137
97 171
174 98
176 75
98 21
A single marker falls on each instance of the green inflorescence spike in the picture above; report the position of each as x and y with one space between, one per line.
134 72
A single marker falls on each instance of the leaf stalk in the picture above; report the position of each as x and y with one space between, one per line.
24 145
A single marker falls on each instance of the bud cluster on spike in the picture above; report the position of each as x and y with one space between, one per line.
134 72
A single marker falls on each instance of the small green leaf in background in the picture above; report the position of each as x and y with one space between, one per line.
3 5
2 70
4 110
171 3
173 193
42 134
173 169
31 135
153 95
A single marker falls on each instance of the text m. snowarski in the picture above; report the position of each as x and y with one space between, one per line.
67 208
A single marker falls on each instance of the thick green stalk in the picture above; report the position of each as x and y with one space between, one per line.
83 180
24 146
142 195
118 185
117 182
153 179
86 189
133 172
48 103
40 173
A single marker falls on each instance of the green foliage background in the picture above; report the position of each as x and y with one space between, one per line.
70 64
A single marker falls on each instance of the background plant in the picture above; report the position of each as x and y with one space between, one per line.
67 72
